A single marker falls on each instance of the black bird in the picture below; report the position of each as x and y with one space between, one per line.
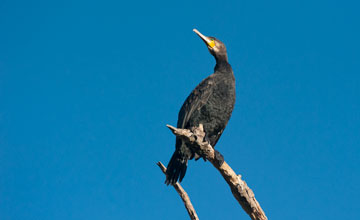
210 104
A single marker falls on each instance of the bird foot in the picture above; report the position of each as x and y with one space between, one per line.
219 158
207 139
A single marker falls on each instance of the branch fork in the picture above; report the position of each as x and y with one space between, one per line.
240 190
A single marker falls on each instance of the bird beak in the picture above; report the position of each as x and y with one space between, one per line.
209 43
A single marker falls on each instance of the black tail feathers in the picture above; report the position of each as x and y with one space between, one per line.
176 168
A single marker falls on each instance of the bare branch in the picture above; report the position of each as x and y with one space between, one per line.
184 196
243 194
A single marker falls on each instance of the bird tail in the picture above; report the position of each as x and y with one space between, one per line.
176 168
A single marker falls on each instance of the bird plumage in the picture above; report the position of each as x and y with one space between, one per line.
210 104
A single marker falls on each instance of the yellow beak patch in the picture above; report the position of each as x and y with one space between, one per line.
211 44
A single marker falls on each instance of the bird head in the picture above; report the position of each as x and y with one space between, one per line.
215 46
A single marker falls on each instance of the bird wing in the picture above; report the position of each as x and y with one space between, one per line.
196 100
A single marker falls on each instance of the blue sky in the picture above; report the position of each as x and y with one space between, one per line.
87 87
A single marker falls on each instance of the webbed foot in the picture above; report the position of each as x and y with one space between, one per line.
219 158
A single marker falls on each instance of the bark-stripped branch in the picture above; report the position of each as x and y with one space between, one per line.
243 194
184 196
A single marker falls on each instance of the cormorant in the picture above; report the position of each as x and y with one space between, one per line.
210 104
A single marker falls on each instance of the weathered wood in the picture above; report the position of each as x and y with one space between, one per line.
242 193
184 196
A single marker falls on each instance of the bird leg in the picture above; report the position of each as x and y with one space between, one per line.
207 139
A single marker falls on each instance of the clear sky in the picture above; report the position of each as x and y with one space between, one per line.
87 87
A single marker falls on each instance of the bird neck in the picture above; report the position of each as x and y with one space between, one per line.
221 57
222 63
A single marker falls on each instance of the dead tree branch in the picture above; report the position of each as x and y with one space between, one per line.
243 194
184 196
